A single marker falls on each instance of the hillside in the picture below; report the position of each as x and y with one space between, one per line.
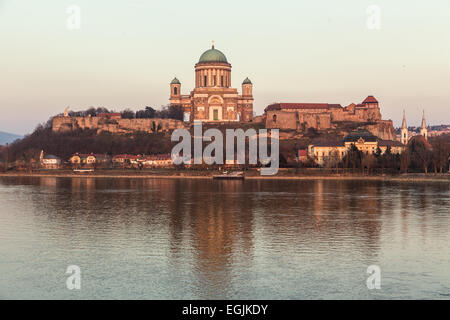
6 137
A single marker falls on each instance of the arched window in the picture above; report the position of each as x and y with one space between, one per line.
274 118
175 90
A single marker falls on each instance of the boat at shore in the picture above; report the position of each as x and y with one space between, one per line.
238 175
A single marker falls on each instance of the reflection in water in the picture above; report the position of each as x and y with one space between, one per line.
156 238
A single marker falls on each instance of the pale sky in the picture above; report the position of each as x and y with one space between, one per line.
126 53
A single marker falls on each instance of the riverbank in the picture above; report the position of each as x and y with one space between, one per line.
250 175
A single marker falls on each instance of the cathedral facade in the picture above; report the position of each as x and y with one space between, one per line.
213 99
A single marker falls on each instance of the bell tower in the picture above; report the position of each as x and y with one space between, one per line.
175 89
247 87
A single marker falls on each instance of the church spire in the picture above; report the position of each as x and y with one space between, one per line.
404 120
423 120
423 129
404 132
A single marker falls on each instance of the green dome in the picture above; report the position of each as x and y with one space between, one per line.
175 81
213 55
247 81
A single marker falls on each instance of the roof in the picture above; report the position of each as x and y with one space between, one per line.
389 143
280 106
364 134
126 156
329 143
175 81
370 99
420 138
212 55
247 81
85 155
51 156
165 156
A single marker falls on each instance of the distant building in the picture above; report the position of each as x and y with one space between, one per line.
49 161
90 160
323 116
125 159
406 135
363 140
213 98
158 160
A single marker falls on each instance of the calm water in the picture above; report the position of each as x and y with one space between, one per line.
186 239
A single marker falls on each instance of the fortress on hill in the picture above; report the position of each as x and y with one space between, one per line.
214 100
324 116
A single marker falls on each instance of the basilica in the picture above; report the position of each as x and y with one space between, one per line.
213 99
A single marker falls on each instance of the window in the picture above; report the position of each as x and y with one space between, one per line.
274 118
175 90
206 81
215 78
221 81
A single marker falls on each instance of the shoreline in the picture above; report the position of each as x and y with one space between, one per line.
412 177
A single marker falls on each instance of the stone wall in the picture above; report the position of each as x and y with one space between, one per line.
64 124
298 120
302 120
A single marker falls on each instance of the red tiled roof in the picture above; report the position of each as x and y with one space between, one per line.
125 156
280 106
370 99
165 156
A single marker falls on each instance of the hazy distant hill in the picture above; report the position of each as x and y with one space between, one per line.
8 137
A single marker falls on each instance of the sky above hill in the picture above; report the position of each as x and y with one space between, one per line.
125 53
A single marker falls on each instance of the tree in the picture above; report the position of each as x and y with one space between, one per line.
440 153
405 161
368 161
176 112
147 113
420 154
353 157
128 114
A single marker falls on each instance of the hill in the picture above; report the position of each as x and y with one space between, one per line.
6 137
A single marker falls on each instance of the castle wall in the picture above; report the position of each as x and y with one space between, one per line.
368 116
298 120
64 124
